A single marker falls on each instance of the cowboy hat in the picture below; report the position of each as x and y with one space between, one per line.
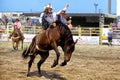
49 6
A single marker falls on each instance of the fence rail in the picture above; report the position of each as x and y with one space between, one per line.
78 31
81 31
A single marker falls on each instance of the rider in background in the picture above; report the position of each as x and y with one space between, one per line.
18 26
48 17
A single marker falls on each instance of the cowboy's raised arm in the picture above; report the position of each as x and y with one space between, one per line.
65 8
40 19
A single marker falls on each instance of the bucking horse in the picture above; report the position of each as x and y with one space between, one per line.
59 35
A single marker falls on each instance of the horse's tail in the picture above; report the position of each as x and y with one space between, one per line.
26 52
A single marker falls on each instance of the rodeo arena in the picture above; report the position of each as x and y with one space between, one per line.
82 51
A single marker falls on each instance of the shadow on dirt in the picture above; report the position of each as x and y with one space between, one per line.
46 74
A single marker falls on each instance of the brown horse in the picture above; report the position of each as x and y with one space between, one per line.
16 38
50 39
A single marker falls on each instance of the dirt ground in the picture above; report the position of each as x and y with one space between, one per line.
88 62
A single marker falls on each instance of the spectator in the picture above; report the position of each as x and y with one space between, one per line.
110 37
5 20
113 26
118 25
29 22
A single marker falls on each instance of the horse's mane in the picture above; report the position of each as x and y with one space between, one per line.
65 32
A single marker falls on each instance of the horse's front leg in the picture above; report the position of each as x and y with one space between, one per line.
64 62
13 44
17 43
67 57
57 55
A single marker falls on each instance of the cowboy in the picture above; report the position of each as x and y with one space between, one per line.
18 26
46 18
61 15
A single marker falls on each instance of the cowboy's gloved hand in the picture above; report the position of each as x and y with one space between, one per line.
67 5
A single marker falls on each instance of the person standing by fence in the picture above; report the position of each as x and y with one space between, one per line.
110 37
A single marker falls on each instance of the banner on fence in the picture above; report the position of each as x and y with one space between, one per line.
87 39
28 37
116 42
81 39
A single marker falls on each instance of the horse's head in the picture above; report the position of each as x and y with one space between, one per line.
67 42
68 49
15 32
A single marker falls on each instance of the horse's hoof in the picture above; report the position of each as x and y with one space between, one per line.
53 65
14 47
40 75
63 64
28 75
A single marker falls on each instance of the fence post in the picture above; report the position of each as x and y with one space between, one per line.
90 31
34 27
79 30
100 35
7 30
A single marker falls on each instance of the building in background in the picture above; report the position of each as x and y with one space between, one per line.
118 10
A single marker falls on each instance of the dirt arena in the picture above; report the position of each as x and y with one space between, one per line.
95 62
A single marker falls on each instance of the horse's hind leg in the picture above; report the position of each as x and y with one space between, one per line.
32 57
44 56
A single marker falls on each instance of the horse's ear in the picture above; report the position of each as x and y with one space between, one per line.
76 41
